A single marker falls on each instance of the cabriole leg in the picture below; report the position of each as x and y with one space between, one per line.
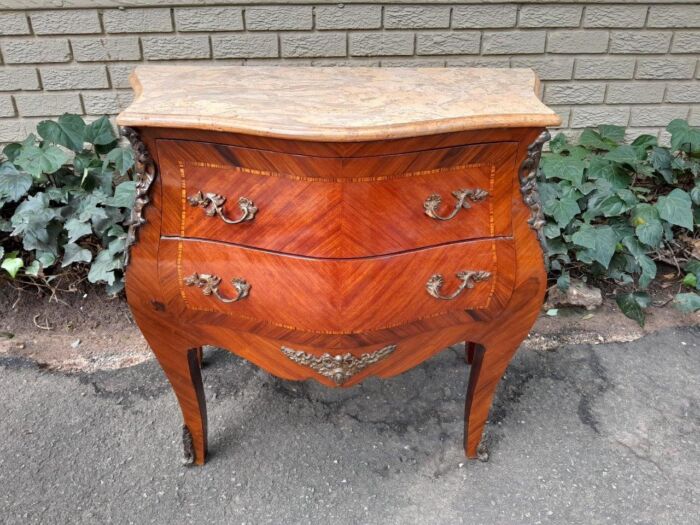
469 349
182 368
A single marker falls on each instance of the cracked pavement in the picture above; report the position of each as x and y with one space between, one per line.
588 434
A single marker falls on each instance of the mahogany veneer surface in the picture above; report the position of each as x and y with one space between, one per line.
335 224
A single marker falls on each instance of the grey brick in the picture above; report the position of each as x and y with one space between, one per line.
348 16
19 79
674 16
657 115
666 67
209 19
412 62
35 51
589 116
12 131
513 42
245 46
313 44
276 17
119 74
106 102
48 104
381 44
570 93
688 92
65 22
418 17
550 16
175 47
694 118
564 114
640 42
7 108
493 61
600 67
295 62
106 49
346 62
484 16
590 41
686 42
137 20
635 93
14 23
63 78
615 16
448 43
551 68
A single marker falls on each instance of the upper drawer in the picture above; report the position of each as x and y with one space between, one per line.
336 207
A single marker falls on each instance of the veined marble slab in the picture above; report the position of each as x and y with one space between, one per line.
335 104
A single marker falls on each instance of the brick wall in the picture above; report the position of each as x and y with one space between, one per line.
632 64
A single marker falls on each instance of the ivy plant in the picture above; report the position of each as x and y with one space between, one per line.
64 197
614 210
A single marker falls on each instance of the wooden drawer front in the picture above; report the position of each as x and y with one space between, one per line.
332 295
333 207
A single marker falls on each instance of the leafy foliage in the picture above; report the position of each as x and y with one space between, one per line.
64 197
614 210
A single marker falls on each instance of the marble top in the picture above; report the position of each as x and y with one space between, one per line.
335 104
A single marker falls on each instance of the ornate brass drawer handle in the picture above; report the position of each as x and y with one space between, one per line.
213 204
210 286
463 197
339 368
468 278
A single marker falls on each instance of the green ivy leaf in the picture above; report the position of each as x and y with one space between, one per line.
644 142
551 230
599 240
13 184
612 133
648 227
695 194
124 195
687 302
624 154
100 132
103 268
691 280
33 269
564 168
592 140
564 281
661 160
68 131
77 228
633 305
562 210
12 264
74 253
683 137
121 158
11 151
602 169
39 160
693 267
676 208
558 143
647 265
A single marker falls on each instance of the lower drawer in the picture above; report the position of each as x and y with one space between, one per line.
338 295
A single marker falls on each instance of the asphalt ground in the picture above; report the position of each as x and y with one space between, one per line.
585 434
